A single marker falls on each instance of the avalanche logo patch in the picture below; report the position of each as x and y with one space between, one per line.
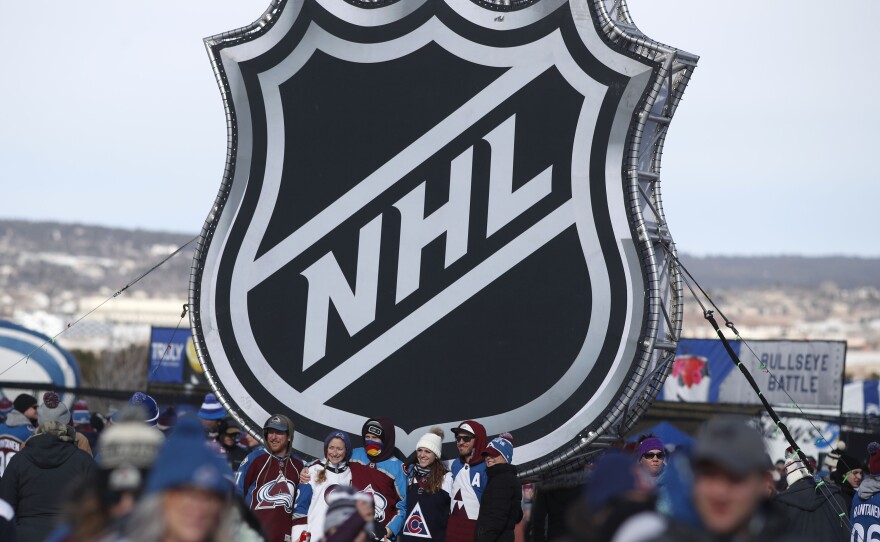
278 492
416 525
379 502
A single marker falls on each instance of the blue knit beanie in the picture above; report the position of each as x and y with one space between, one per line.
211 408
342 436
186 460
501 445
148 404
611 477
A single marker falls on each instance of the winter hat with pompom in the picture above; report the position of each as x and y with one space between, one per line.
433 440
502 445
52 410
148 404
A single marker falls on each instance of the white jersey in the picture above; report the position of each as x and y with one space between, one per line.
315 497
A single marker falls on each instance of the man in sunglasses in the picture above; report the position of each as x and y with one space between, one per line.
468 481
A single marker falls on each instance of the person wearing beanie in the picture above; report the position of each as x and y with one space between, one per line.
187 495
228 434
468 480
427 491
52 410
375 469
36 478
125 453
5 408
27 405
651 455
866 502
813 511
501 506
349 517
18 427
82 422
846 476
148 406
210 414
269 479
323 478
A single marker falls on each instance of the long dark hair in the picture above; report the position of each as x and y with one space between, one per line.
437 471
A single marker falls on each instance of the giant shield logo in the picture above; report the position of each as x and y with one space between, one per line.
439 210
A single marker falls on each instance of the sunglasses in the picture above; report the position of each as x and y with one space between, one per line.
652 455
463 438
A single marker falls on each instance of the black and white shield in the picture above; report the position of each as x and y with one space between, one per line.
427 214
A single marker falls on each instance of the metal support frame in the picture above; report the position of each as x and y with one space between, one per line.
641 168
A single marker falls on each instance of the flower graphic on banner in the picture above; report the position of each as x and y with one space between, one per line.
688 380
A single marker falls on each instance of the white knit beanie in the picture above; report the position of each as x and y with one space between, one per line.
432 440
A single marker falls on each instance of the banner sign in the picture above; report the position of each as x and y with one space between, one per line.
173 358
808 373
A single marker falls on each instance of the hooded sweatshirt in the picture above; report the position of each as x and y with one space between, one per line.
269 485
383 478
35 481
814 511
13 433
865 511
468 482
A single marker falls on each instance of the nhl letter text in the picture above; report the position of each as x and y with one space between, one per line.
357 306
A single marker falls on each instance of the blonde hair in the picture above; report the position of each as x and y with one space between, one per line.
62 431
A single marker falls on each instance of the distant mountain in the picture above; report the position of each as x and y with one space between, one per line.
787 271
42 264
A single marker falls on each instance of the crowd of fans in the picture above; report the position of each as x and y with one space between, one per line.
145 475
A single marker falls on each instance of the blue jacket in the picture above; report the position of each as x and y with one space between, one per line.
865 511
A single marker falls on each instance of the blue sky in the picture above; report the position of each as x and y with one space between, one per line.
109 114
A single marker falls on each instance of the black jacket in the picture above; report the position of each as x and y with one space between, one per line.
768 524
501 505
552 500
35 481
813 512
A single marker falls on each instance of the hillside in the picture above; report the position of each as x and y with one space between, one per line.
41 261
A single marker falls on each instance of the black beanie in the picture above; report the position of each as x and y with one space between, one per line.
24 402
374 427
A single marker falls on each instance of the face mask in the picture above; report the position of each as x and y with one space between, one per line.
373 448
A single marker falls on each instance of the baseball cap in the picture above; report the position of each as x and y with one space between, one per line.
463 427
732 445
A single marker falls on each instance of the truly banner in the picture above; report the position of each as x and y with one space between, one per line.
806 373
173 358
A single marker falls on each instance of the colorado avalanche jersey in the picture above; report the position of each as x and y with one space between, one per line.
269 486
312 498
11 441
385 481
427 513
468 482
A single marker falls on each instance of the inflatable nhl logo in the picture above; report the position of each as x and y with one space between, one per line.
440 210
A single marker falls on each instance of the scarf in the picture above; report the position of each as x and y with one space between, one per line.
373 448
336 468
420 472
